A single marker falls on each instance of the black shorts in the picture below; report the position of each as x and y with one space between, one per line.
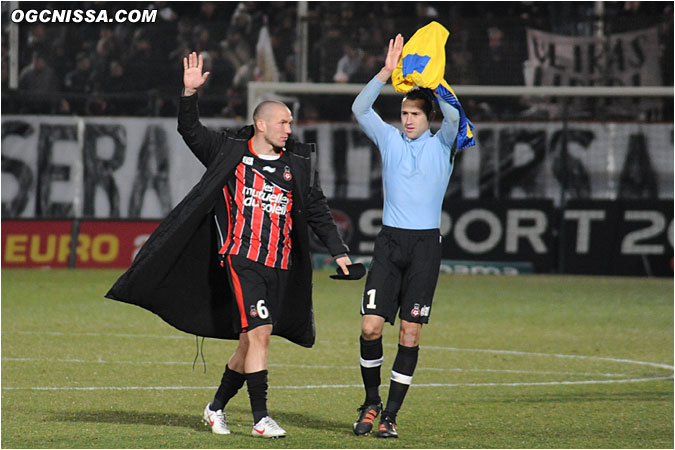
403 274
258 292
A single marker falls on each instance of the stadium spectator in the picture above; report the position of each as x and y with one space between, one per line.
37 40
289 71
38 77
116 80
78 81
60 60
283 48
327 51
222 71
201 39
236 49
184 33
248 19
349 64
236 104
212 16
105 50
369 64
36 80
143 61
165 30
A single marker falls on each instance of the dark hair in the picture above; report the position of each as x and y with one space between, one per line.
427 102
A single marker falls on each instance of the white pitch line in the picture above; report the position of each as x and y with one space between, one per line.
553 355
505 352
424 347
323 386
306 366
95 361
124 335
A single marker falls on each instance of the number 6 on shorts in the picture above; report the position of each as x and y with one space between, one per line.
263 313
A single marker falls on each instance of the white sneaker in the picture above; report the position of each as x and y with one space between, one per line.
268 428
216 419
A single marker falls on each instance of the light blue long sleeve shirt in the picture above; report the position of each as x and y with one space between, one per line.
415 172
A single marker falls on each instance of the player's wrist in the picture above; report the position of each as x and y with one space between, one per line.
384 74
188 91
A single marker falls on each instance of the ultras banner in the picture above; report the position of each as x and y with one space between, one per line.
112 168
619 59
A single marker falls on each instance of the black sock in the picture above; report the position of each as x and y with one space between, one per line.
257 393
401 377
229 385
371 361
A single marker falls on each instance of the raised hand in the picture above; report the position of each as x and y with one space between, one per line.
394 53
192 73
392 59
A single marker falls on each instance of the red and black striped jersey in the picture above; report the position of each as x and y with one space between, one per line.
258 201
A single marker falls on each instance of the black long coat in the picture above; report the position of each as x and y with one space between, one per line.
177 275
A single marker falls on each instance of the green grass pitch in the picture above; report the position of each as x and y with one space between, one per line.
506 362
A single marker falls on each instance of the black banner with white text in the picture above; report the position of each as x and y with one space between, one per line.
596 237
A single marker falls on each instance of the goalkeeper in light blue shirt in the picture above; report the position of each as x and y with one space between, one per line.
416 169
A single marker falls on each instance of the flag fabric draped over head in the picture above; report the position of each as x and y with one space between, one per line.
422 64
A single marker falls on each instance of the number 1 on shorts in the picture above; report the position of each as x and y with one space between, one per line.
371 299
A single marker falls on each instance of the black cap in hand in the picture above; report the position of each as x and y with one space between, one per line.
356 272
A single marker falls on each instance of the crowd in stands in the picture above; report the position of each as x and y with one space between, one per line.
136 69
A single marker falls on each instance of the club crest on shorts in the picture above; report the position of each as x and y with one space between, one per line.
287 174
253 312
415 312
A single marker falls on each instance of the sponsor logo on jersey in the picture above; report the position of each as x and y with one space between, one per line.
266 199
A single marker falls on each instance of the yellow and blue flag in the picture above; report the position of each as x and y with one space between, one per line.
422 64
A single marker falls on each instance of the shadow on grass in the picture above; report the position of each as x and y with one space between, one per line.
236 416
190 421
311 421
